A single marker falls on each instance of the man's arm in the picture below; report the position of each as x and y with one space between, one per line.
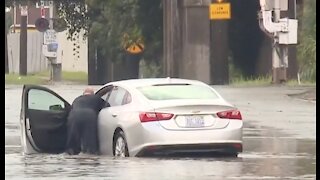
101 103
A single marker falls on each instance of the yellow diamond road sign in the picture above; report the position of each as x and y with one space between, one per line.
220 11
135 48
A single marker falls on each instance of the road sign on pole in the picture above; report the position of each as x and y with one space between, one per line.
24 10
43 12
42 24
220 11
49 36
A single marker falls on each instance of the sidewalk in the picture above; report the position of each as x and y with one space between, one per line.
309 95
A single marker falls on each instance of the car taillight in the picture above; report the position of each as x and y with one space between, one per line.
154 116
231 114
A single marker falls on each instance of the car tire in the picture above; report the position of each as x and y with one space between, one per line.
232 155
120 146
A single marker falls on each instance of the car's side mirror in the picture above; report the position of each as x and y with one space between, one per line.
56 107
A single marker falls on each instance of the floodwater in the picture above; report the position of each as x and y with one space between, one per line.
270 152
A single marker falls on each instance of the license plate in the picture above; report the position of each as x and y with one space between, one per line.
194 121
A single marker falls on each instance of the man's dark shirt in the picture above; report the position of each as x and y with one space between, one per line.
93 102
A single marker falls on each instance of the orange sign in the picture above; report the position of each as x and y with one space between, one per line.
136 48
220 11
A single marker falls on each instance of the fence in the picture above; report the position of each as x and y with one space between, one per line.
72 54
36 62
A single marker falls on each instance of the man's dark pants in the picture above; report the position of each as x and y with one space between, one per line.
82 131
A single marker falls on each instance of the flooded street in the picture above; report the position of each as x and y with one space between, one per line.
279 142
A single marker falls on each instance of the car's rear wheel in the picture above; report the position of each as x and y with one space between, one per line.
120 147
232 155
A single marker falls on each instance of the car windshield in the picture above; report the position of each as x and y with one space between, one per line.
184 91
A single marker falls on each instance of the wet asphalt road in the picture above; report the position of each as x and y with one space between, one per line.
279 143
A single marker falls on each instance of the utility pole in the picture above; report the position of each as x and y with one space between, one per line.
292 49
55 66
279 52
23 41
219 26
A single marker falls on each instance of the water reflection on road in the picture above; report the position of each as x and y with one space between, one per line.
264 157
269 153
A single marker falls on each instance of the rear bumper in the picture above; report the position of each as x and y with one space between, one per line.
192 149
153 138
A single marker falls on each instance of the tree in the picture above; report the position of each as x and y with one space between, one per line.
111 20
150 20
307 38
107 21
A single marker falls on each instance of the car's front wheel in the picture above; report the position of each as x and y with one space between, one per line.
120 147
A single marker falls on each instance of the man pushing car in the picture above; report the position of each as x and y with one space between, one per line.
82 123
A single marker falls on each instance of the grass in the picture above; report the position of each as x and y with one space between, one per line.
257 81
302 83
30 79
266 80
43 78
81 77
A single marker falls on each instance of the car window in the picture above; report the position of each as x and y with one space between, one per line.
106 95
117 96
127 99
43 100
105 92
177 91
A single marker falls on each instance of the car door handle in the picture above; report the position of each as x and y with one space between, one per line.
114 115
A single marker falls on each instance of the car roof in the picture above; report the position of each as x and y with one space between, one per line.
132 84
155 81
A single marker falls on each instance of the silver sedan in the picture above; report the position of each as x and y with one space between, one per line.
160 116
167 116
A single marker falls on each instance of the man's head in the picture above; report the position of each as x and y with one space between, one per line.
88 91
